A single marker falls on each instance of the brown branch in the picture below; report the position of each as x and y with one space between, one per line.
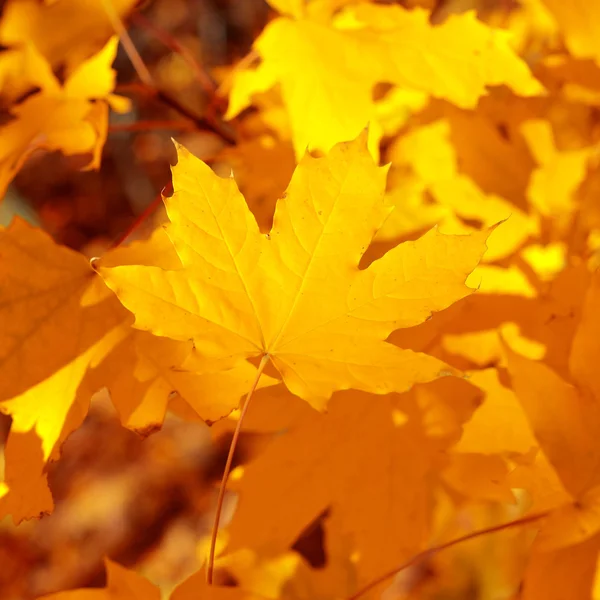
152 126
210 121
134 56
198 122
132 88
433 550
205 80
220 129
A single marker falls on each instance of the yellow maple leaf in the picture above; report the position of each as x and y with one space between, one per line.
563 573
125 584
327 72
428 152
72 117
64 335
488 147
65 32
579 21
565 419
262 167
295 295
265 576
337 578
289 576
54 324
564 423
479 477
144 371
499 425
554 182
24 493
360 459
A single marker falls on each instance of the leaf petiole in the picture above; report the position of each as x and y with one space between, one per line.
435 549
236 434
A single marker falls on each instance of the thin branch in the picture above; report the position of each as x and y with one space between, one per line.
201 122
236 434
205 80
136 60
134 87
143 215
152 126
210 122
433 550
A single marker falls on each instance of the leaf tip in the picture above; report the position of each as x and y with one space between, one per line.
180 149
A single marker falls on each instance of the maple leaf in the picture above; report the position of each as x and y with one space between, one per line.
564 573
289 576
72 117
434 163
373 462
499 425
566 421
124 584
488 147
563 413
143 373
327 73
296 294
63 336
65 32
54 324
263 576
24 493
580 23
498 450
263 168
553 184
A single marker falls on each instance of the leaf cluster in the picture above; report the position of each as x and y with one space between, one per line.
395 289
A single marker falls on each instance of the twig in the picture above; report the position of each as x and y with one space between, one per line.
236 434
426 553
151 126
173 43
143 215
201 122
136 60
209 122
134 87
211 118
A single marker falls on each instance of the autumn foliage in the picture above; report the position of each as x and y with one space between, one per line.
380 280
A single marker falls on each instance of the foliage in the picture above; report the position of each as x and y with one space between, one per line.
395 290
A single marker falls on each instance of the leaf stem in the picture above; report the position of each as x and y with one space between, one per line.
134 56
236 434
152 126
435 549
